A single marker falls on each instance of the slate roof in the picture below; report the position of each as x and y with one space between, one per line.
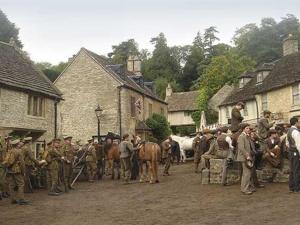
18 72
283 72
123 76
183 101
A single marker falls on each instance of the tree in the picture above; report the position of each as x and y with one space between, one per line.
8 30
161 64
159 125
122 51
264 43
209 39
51 71
222 69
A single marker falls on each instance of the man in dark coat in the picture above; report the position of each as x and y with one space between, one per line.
236 117
175 151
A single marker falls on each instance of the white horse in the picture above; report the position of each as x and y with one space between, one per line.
185 143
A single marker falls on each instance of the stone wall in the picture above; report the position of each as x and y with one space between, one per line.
267 174
13 114
84 85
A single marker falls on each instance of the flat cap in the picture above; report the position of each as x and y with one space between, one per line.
267 112
68 137
15 142
242 104
27 138
206 131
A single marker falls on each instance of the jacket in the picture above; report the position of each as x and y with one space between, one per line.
236 119
264 127
244 146
126 148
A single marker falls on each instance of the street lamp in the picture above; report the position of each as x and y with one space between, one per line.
98 112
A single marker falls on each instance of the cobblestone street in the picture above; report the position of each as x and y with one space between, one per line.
178 199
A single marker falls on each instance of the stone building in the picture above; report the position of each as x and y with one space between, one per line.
126 100
273 86
28 100
181 105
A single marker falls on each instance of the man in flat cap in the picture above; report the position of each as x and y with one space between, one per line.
68 155
264 125
15 166
236 117
30 161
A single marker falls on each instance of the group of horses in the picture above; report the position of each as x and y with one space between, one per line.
148 157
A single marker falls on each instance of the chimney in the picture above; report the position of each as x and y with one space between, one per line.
134 65
290 45
169 91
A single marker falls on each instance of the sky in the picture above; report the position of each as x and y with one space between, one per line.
54 30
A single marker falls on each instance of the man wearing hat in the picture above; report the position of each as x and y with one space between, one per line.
15 166
245 146
264 126
68 154
51 156
91 160
201 145
29 163
6 146
236 117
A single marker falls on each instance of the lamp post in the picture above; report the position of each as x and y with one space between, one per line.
98 112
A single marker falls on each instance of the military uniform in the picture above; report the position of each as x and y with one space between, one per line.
68 154
3 183
91 162
167 156
14 163
126 149
29 165
52 155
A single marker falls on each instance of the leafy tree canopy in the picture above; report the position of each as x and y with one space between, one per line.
122 51
8 30
160 126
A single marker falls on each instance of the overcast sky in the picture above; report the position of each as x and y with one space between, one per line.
54 30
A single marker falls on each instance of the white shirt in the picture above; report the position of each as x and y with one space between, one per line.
296 137
229 141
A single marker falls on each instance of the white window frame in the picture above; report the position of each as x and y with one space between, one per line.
264 102
295 94
36 106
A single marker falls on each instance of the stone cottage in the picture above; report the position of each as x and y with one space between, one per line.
126 100
28 100
273 86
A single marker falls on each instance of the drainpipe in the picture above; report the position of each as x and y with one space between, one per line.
119 110
55 118
257 113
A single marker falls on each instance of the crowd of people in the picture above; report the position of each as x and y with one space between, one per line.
265 144
62 162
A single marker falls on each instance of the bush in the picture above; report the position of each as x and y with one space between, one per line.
160 126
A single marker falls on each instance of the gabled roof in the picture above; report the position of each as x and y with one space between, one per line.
183 101
283 72
123 76
18 72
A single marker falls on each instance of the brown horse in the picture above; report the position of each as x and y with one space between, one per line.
113 157
149 155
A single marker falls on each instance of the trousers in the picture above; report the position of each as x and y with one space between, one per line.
294 178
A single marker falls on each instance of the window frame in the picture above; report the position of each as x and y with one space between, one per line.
132 106
36 106
264 102
296 95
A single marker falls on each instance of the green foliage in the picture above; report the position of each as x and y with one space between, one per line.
183 130
264 43
222 69
8 30
51 71
160 126
162 65
122 51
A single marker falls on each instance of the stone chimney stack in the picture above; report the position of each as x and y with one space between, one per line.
290 45
134 65
169 91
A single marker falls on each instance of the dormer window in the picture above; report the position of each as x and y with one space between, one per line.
259 78
241 83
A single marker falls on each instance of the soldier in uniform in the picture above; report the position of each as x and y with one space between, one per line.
126 149
167 155
15 166
68 154
30 161
236 117
201 145
51 156
4 147
91 161
264 126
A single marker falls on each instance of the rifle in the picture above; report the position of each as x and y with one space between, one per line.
75 179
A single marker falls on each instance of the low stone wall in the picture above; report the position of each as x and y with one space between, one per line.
268 174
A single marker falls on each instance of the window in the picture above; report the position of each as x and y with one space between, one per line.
132 106
296 95
162 111
259 78
227 112
264 102
241 83
187 113
245 110
36 106
150 109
